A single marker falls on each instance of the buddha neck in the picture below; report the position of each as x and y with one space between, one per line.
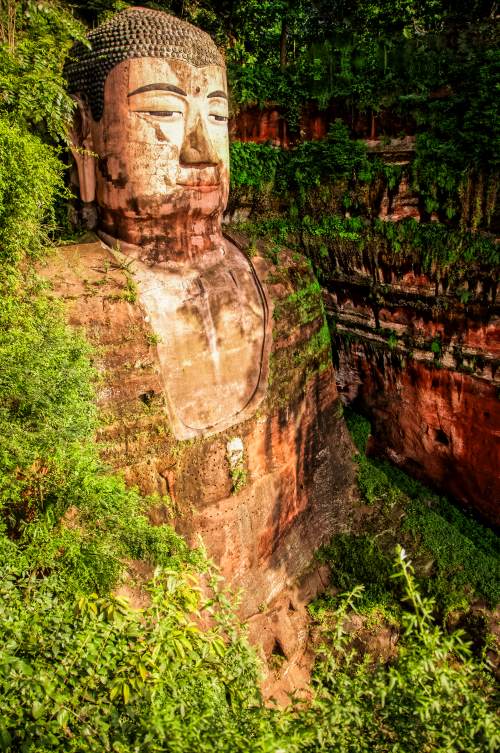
168 242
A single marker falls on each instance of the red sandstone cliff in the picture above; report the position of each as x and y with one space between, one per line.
416 350
424 368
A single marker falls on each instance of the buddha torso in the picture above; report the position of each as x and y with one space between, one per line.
211 325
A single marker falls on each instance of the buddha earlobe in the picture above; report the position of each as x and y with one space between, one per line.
81 145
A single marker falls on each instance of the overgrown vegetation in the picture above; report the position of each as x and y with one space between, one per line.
80 670
457 559
387 69
90 674
339 245
323 198
433 696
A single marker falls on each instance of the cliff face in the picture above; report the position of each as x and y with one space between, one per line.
269 123
262 495
428 379
413 307
417 346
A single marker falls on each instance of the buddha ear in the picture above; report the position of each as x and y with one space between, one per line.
81 146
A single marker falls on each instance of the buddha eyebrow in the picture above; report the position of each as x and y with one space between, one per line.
217 94
160 87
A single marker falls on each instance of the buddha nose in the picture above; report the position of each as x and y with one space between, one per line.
197 147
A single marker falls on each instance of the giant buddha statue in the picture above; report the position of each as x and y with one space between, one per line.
151 148
218 393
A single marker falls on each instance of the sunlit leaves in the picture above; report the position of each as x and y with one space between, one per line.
107 675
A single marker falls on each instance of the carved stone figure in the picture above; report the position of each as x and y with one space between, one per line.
151 148
263 488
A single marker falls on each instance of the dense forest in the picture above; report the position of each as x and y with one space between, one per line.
79 669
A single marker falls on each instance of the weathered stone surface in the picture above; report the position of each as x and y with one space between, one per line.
425 369
298 479
154 157
400 203
212 327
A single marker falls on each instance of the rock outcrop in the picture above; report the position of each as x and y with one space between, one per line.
262 495
424 366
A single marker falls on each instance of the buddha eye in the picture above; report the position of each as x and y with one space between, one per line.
167 114
219 118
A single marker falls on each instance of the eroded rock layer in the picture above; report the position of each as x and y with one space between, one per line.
423 364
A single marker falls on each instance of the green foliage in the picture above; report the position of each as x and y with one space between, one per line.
457 558
446 255
300 197
318 350
438 245
63 512
253 165
302 306
30 180
35 112
456 162
433 696
91 674
45 399
423 66
311 163
436 348
239 478
362 560
31 60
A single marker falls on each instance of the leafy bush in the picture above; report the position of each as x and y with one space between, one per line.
309 164
253 165
437 245
90 674
336 156
30 181
432 697
34 97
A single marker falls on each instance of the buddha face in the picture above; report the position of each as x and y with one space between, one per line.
162 151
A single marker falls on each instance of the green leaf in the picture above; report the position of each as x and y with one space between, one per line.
5 737
126 692
62 717
37 709
114 691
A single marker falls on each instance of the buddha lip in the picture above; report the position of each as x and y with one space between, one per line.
201 186
203 177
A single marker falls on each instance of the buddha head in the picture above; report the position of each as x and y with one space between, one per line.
150 136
